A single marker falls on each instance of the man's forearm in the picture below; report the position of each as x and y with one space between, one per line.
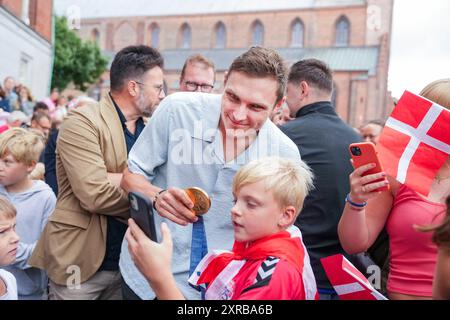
115 178
136 182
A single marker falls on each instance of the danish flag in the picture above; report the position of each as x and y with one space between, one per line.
347 281
415 142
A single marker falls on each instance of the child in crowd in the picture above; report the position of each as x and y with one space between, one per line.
268 260
34 201
9 242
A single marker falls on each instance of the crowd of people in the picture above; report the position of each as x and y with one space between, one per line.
270 151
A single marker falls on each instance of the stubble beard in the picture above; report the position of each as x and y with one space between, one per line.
145 106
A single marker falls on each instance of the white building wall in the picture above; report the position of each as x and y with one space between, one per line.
24 55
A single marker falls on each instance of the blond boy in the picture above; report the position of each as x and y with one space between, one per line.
34 201
9 241
268 260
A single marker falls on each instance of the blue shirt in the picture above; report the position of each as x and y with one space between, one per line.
49 155
181 147
116 229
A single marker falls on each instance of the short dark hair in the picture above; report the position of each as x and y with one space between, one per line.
40 106
131 63
262 62
315 72
38 115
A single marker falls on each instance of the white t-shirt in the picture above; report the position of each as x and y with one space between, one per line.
11 285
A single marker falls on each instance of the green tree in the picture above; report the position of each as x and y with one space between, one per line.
77 61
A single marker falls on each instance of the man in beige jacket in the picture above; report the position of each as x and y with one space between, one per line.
80 246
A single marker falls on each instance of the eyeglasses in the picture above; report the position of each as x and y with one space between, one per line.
43 128
160 87
193 86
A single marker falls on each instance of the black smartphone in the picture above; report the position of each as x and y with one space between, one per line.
141 211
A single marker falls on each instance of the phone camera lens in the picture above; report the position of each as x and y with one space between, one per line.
133 203
356 151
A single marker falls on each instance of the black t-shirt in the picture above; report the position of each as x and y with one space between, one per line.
323 140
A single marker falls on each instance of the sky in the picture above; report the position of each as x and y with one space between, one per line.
420 44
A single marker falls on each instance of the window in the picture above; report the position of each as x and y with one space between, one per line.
221 36
25 69
154 35
342 32
185 36
95 36
297 33
257 33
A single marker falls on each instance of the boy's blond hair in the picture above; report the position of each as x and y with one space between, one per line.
25 146
288 180
7 210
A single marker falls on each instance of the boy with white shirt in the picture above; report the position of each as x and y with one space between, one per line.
9 241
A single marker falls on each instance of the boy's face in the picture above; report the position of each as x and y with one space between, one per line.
257 214
12 171
9 240
247 102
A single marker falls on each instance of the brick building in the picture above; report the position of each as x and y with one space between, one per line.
26 35
352 36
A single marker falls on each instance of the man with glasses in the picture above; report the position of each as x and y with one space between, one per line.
42 123
198 74
80 245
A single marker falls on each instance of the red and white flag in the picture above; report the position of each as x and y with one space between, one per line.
415 142
347 281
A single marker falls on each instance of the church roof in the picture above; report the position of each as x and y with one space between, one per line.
339 59
136 8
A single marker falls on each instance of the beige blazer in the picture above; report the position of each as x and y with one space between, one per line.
90 144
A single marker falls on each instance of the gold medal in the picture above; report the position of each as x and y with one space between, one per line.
201 200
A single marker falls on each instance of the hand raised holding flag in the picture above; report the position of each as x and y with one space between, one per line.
415 142
414 149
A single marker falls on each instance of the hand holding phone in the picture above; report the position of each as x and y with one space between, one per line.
363 154
141 212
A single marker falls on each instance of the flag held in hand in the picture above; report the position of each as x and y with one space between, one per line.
415 142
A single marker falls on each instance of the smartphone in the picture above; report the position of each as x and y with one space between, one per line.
364 153
141 211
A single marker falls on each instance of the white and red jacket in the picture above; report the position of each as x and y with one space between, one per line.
275 267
